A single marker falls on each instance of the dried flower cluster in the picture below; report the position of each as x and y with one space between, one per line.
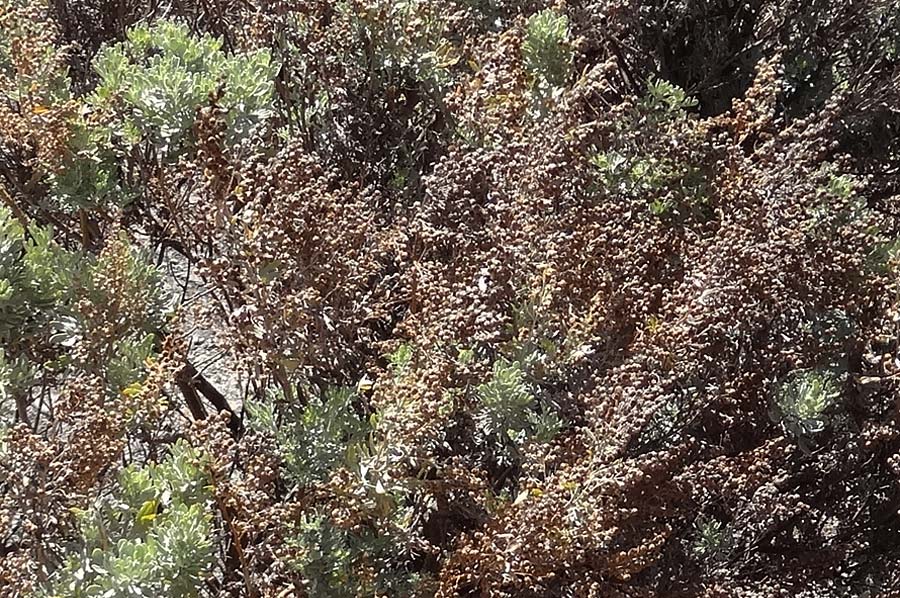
472 298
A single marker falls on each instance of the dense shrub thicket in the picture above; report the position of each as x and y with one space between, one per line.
517 298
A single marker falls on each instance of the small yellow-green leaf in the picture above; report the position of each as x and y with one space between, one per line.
365 384
132 390
147 513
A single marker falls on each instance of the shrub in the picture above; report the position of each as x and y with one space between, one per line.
151 537
162 75
472 298
336 562
712 539
546 50
316 439
803 400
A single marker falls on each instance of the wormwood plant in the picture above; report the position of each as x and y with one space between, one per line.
79 371
150 537
16 377
510 414
316 439
712 539
667 99
651 175
547 55
803 401
341 563
38 282
161 74
151 86
534 361
672 185
327 446
546 50
36 277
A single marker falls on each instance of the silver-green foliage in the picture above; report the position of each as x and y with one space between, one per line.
163 74
667 98
16 375
341 563
322 556
403 36
151 538
36 281
713 539
315 439
803 400
547 53
126 366
509 411
672 185
651 175
836 206
506 399
42 285
401 358
36 276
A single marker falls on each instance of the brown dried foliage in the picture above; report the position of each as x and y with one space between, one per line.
672 328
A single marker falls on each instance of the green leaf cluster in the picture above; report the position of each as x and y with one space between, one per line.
315 439
36 279
509 412
163 74
546 50
667 98
803 400
52 298
341 563
151 537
